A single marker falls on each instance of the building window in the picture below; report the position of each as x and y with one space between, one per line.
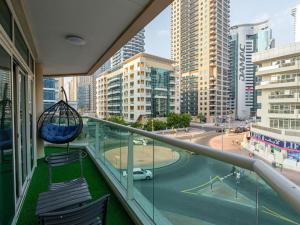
5 18
21 45
258 93
258 105
280 123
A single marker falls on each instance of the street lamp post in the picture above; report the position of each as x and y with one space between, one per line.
238 176
222 129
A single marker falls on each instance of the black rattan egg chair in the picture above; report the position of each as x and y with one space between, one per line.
60 124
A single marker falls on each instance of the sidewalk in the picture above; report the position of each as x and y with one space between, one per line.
293 175
215 141
183 133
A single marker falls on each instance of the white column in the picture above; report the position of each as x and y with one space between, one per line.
39 107
130 168
97 144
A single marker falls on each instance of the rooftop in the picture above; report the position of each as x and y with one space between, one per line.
292 49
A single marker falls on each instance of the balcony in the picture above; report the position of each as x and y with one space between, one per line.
186 187
97 186
272 130
22 171
191 183
277 111
283 67
284 98
293 82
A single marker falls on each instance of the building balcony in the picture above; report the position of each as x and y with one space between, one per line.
286 98
288 114
114 85
114 98
98 187
212 53
276 111
294 82
189 182
280 68
114 79
114 92
213 38
268 129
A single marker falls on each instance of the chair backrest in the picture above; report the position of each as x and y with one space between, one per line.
65 158
91 214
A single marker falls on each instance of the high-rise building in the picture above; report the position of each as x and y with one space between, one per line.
105 67
276 133
200 47
50 92
85 94
246 39
296 15
72 89
60 83
134 46
142 86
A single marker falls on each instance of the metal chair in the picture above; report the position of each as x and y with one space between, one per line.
90 214
61 159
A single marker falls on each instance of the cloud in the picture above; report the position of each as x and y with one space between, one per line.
262 17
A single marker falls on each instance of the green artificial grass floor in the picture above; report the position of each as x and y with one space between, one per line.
97 186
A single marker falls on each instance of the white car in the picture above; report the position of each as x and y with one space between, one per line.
140 174
140 141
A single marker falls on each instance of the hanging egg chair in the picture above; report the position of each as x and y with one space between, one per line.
60 124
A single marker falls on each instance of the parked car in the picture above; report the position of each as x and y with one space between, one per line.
241 129
232 130
140 174
221 130
140 141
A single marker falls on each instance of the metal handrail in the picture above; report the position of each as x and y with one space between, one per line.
283 186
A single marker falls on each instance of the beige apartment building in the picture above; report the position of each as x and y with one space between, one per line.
142 86
72 91
200 48
276 134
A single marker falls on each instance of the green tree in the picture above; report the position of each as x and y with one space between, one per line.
137 125
173 120
156 124
117 119
185 120
202 118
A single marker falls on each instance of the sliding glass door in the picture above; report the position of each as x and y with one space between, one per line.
6 140
23 129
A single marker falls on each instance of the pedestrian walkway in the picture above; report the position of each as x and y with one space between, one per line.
230 144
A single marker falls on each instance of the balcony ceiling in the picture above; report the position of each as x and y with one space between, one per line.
105 25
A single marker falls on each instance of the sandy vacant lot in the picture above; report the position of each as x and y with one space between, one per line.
142 156
231 142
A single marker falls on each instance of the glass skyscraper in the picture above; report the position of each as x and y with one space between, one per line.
50 92
134 46
246 39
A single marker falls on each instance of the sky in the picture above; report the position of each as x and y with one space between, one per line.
158 34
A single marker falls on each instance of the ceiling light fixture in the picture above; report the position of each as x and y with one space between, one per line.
75 40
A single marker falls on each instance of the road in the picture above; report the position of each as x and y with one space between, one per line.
207 137
183 188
